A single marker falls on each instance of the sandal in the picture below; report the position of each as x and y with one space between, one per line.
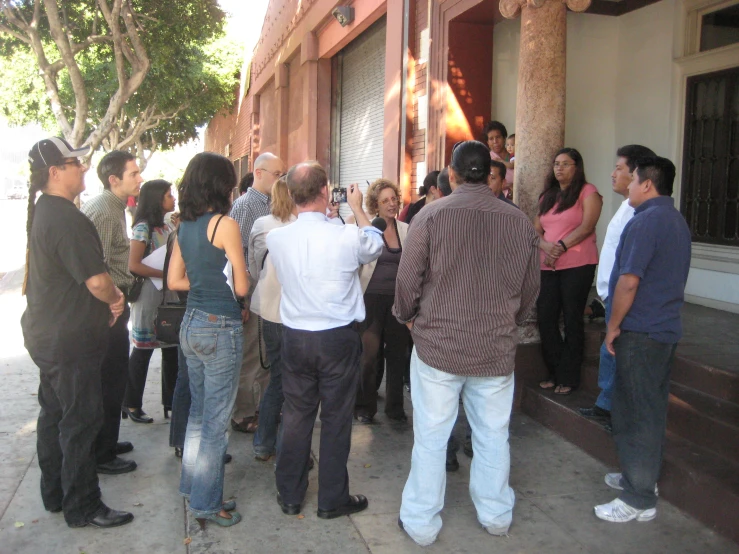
246 425
547 384
563 390
218 519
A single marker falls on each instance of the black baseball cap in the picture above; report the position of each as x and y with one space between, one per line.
53 151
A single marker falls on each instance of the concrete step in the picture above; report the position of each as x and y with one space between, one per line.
697 480
691 369
704 420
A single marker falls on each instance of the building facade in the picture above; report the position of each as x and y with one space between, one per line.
389 93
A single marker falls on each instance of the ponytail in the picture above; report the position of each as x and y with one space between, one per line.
37 183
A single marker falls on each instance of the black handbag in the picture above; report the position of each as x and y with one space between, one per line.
135 291
169 314
168 322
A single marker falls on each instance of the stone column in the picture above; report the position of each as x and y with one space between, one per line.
541 97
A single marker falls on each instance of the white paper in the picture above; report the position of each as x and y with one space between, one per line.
155 260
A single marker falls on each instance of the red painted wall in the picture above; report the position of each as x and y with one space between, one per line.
470 79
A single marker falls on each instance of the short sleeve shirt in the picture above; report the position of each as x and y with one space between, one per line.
558 225
140 232
63 319
655 246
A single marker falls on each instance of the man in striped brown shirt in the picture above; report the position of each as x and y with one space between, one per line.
468 276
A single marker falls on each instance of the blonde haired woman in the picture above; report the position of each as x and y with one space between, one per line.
380 328
265 303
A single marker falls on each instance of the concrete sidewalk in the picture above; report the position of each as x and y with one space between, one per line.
556 486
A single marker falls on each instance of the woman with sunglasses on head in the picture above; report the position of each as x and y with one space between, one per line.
569 209
211 334
380 326
150 232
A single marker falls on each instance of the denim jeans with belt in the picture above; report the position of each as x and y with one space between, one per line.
265 439
487 402
639 413
212 345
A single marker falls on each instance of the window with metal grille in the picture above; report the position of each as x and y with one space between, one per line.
710 187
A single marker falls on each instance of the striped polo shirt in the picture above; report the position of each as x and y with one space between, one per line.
468 276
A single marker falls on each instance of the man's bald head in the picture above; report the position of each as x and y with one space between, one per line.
267 169
306 182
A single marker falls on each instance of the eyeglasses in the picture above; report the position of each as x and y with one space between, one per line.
563 165
277 174
393 200
75 163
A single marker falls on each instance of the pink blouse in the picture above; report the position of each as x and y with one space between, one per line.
558 226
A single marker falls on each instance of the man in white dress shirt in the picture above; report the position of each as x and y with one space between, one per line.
317 265
620 179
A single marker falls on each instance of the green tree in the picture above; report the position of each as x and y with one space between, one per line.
137 75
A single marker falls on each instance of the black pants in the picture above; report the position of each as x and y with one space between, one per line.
565 293
71 402
639 413
319 367
380 330
113 374
138 368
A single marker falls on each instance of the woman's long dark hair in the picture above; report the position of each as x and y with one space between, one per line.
150 209
553 194
206 186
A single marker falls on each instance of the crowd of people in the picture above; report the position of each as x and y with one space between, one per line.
288 309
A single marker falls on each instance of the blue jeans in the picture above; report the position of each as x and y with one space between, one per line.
487 402
606 378
212 345
640 413
265 438
180 403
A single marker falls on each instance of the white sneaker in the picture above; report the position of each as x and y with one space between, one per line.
613 480
618 511
496 531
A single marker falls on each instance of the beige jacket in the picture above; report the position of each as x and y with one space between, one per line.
366 271
265 301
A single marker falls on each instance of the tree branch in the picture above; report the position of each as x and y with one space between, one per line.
62 42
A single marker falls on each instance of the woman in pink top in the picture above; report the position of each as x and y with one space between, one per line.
569 209
494 135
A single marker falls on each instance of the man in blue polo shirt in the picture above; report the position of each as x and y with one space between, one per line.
647 291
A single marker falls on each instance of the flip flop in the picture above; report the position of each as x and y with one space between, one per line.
547 384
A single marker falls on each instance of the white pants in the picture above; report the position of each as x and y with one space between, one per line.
487 402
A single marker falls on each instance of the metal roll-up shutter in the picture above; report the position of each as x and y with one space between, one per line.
362 109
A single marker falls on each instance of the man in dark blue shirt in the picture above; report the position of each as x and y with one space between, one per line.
647 291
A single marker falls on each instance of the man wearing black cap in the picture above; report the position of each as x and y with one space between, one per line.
72 301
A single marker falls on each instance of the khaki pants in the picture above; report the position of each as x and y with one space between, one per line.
253 379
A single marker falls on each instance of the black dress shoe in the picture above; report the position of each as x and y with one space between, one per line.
105 518
116 466
123 448
467 447
356 503
137 415
595 412
288 509
452 464
398 417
